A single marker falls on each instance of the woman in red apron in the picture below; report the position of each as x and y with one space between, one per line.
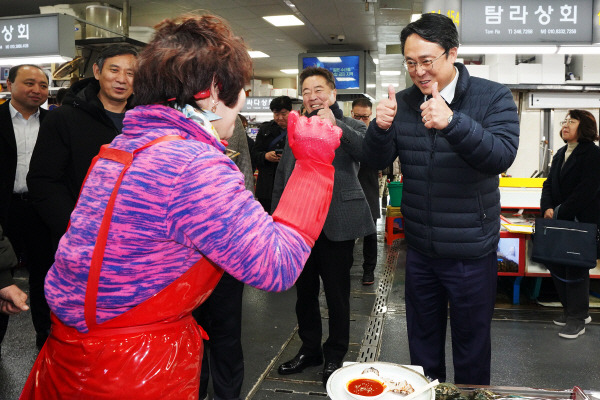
158 203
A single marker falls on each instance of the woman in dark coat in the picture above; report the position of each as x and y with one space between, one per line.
572 192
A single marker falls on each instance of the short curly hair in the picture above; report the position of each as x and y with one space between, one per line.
587 130
186 55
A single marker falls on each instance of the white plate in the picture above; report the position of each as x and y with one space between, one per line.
337 381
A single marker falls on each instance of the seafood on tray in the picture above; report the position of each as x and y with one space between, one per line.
396 386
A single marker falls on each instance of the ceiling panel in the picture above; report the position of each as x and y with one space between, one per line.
363 24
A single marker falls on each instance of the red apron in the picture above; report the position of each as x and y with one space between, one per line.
153 351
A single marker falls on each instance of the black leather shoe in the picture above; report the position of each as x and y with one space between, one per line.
299 363
328 369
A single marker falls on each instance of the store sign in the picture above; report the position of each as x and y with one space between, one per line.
257 104
450 8
527 22
596 22
37 35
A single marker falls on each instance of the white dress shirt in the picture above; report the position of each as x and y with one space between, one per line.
26 132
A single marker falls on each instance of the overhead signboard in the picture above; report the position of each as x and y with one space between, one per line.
450 8
37 35
257 104
527 22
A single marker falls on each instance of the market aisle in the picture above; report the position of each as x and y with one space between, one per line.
526 348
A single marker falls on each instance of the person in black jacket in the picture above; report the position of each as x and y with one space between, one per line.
572 192
71 135
454 134
20 120
91 115
268 148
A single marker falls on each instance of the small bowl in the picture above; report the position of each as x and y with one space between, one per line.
367 386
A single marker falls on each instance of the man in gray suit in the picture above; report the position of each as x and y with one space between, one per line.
331 258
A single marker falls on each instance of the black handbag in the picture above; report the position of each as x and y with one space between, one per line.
562 242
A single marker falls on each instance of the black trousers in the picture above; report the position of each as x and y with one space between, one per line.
468 289
574 294
370 251
221 317
332 262
32 241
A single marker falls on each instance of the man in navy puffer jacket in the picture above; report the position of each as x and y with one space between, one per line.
454 135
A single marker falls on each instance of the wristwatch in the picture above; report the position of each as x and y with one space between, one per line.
450 118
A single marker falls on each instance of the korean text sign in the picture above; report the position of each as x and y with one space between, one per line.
526 22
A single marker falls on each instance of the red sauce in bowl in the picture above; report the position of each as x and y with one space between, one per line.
365 387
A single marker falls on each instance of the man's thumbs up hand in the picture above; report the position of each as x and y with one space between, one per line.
386 110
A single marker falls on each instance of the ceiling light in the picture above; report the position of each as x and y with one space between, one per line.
257 54
390 73
290 71
283 20
385 85
37 60
330 60
371 85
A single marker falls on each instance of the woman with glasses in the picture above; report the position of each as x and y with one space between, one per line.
572 192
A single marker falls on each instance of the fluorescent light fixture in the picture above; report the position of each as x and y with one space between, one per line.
390 73
415 17
578 50
330 60
36 60
376 61
290 71
258 54
283 20
371 85
491 49
345 79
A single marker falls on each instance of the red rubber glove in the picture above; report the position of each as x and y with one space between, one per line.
304 203
313 138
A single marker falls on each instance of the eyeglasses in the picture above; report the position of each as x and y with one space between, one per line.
568 122
363 117
411 66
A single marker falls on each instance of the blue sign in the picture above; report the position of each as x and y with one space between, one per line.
345 69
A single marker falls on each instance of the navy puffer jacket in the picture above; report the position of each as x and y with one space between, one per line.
450 201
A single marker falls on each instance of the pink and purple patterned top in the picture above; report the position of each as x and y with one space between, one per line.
179 201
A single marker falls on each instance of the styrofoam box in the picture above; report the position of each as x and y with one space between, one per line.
500 59
506 74
553 68
529 73
480 71
585 66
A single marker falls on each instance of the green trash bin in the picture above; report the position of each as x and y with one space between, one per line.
395 189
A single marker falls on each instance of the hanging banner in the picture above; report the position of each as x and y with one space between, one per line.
526 22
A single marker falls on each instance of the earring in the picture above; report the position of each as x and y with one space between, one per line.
214 107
